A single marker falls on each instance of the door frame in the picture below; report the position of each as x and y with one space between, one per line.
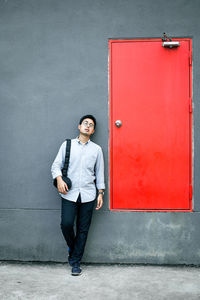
110 144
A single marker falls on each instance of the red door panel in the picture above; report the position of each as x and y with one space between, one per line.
150 154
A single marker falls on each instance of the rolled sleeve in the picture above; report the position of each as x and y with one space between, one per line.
56 168
99 170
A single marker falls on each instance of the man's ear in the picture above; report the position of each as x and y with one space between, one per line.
79 126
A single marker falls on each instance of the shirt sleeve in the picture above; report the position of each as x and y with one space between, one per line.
99 170
58 164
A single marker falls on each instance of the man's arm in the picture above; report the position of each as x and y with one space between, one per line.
56 169
99 170
100 199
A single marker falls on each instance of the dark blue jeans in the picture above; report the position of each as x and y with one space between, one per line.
83 214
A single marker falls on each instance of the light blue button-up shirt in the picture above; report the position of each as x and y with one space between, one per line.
86 164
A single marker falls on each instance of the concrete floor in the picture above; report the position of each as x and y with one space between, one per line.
54 281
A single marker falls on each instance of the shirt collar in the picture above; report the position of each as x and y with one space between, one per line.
78 141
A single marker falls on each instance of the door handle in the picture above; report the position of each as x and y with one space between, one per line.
118 123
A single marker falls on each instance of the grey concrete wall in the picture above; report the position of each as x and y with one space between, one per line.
53 69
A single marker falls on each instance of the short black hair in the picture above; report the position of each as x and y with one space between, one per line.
88 117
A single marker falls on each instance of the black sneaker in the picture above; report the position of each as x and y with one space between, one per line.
76 270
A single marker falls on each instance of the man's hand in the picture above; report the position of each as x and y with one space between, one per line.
99 201
61 185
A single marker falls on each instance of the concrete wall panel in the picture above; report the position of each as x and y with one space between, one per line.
54 69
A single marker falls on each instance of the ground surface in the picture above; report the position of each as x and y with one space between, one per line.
41 281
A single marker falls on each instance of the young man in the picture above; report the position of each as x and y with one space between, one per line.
86 164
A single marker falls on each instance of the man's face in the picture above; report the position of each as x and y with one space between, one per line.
86 127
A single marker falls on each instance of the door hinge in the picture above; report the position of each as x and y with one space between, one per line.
190 192
190 106
190 59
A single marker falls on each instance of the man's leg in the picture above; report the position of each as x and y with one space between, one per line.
68 213
84 217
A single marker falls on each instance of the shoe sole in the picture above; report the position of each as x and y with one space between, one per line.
76 274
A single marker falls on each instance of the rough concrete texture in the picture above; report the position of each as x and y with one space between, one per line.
54 69
54 281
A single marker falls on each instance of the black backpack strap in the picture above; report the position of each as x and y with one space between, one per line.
67 156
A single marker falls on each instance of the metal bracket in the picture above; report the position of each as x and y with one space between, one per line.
165 37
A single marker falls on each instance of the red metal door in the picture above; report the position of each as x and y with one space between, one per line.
150 154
